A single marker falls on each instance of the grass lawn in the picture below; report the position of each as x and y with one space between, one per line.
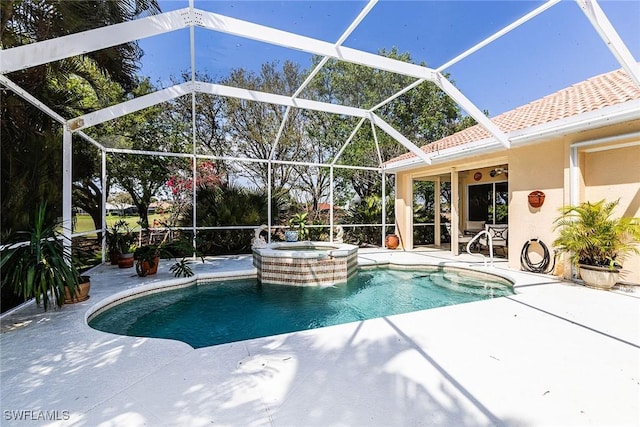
85 223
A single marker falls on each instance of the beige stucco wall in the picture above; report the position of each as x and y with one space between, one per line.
609 174
612 175
535 167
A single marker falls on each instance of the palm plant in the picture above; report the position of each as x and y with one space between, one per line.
39 264
592 237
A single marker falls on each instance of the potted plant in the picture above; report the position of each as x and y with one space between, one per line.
147 258
596 242
297 228
119 239
114 242
82 291
39 264
126 257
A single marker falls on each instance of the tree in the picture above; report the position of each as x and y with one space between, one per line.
423 114
31 148
252 127
151 129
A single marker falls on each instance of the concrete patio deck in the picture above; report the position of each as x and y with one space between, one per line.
555 354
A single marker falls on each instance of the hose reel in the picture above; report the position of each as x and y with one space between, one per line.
544 265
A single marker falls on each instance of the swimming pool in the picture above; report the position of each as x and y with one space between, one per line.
233 310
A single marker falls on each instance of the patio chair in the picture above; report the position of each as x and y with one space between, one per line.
499 236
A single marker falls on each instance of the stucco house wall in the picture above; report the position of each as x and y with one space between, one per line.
608 174
607 160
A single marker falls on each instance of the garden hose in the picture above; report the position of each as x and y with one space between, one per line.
540 267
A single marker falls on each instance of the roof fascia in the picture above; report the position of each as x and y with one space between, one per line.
30 55
124 108
608 33
615 114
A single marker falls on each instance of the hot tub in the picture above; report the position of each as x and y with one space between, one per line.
306 263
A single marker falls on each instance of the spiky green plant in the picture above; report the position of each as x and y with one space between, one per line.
39 264
592 237
181 268
299 222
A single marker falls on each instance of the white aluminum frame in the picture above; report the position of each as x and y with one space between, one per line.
43 52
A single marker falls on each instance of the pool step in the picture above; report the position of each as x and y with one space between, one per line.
458 283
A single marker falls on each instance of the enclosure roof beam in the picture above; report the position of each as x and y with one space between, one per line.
136 104
344 146
270 98
15 88
133 105
319 66
610 36
472 110
399 137
474 49
46 51
499 34
237 27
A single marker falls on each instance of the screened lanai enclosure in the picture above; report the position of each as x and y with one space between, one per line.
244 117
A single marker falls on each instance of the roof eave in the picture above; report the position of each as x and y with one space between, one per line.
606 116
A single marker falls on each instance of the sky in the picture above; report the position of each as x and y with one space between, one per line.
554 50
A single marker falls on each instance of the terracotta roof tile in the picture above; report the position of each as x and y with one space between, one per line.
597 92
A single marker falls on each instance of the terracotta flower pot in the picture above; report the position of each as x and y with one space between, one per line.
144 268
391 241
536 198
82 291
114 258
126 261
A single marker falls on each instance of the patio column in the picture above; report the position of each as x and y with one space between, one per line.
103 225
331 203
437 238
67 161
269 201
384 210
455 211
404 210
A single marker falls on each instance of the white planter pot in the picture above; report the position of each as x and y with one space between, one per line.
291 235
599 277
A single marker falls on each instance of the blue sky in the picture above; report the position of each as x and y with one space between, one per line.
550 52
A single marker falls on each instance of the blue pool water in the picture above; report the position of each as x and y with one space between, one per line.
227 311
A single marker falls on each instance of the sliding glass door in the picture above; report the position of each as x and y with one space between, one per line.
488 202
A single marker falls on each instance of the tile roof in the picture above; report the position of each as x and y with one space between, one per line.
601 91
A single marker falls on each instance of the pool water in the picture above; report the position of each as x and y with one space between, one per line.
228 311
